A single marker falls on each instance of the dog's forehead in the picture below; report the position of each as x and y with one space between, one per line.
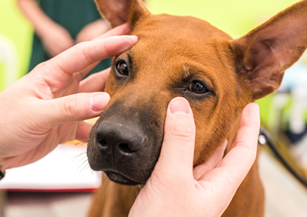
168 37
179 44
173 25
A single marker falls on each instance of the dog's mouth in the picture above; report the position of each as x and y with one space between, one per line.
120 178
126 145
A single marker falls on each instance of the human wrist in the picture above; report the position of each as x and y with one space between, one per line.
36 16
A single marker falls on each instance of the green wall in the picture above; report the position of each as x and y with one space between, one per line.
235 17
14 27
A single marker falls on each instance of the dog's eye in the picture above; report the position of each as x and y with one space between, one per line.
197 87
122 68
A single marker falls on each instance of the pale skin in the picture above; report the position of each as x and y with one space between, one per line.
56 38
47 107
175 188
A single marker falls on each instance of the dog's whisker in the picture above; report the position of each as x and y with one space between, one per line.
82 166
79 155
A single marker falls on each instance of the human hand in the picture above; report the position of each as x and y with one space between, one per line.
176 189
92 30
46 107
56 39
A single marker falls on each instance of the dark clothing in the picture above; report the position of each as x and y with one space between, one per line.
73 15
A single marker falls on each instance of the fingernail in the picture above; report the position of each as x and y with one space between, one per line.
179 104
99 101
134 38
130 39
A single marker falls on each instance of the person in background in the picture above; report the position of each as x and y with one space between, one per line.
59 24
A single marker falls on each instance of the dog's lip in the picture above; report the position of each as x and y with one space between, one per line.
120 178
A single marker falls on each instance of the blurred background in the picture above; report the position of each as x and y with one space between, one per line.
283 114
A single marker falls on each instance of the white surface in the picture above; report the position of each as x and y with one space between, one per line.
284 196
65 168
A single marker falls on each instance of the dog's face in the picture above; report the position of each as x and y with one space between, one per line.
177 56
167 62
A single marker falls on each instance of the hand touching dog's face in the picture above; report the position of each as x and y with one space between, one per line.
188 57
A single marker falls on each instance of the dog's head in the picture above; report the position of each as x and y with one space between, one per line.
188 57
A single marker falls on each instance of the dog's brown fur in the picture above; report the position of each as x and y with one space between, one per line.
238 71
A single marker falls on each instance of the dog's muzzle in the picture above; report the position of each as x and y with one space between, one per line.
126 146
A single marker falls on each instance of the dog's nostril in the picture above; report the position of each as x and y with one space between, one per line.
102 145
126 148
118 139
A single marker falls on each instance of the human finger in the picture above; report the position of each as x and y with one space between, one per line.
84 54
123 29
83 131
249 127
76 107
95 82
176 158
238 161
209 164
85 71
244 145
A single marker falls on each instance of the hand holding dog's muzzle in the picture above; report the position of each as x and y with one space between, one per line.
47 106
176 189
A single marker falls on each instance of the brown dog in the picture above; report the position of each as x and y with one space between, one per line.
185 56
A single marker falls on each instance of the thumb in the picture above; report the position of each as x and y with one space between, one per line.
76 107
177 152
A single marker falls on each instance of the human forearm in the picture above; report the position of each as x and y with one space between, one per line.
54 37
36 16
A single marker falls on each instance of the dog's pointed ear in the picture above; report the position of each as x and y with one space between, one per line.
266 52
118 12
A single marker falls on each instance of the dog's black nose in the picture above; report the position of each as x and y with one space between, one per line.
118 138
